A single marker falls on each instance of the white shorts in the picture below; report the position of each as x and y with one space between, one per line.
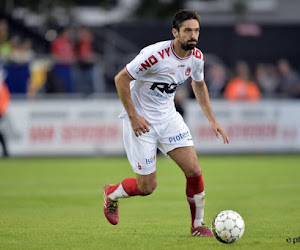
141 151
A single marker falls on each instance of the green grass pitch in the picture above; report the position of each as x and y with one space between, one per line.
56 203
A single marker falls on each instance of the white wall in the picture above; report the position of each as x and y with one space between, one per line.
92 127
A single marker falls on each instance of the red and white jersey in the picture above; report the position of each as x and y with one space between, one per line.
158 72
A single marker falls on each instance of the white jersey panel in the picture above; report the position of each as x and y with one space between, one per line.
158 72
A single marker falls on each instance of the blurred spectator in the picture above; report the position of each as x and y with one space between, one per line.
62 51
289 85
216 80
4 102
241 87
17 67
5 47
27 52
267 79
22 52
39 71
53 83
86 60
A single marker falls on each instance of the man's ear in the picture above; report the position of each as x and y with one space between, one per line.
175 32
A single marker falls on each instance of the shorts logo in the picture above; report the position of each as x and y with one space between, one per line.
179 137
139 166
188 71
150 160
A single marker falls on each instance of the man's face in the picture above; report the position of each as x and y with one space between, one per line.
188 34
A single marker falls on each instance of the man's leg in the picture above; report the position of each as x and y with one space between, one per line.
2 141
141 154
140 186
186 159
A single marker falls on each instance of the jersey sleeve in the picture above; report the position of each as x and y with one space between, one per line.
140 65
198 69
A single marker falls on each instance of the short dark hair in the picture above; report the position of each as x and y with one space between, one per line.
183 15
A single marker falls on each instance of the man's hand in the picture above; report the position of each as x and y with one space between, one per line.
139 125
218 130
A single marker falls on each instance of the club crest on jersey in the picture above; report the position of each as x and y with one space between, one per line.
188 71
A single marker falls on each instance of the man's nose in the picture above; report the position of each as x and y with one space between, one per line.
194 35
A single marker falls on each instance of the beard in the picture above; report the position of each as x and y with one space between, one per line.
186 46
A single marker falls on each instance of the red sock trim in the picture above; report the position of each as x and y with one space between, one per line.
193 212
131 188
194 185
112 188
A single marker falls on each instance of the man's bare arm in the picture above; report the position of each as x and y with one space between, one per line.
138 123
202 96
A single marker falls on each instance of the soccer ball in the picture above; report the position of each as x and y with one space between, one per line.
228 226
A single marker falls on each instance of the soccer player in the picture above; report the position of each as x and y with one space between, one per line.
146 87
4 103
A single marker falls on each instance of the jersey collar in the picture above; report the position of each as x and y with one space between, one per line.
174 53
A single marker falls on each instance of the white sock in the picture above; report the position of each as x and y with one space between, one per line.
199 200
118 193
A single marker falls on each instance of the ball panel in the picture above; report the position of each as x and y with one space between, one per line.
235 232
219 226
229 224
219 238
222 216
240 223
232 215
225 235
241 233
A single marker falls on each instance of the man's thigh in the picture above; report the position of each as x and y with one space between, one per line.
186 158
141 151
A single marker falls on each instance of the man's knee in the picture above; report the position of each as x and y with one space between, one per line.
193 171
147 183
147 188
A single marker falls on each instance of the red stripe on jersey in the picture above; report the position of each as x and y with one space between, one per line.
197 53
129 74
172 48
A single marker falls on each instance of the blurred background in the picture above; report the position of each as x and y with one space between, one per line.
58 60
